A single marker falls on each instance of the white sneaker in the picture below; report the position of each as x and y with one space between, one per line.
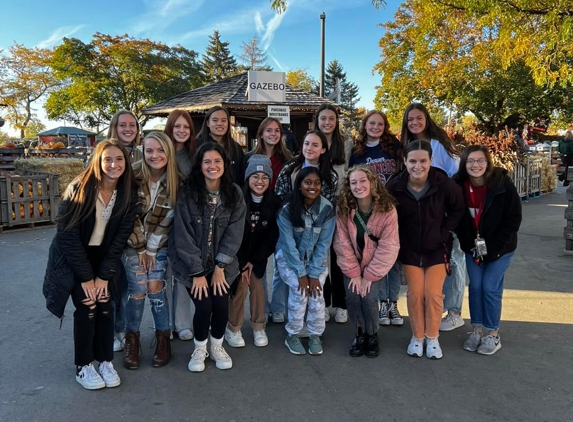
416 347
451 321
119 342
278 317
89 378
433 349
304 332
261 339
220 356
326 315
185 334
197 361
234 339
109 374
341 315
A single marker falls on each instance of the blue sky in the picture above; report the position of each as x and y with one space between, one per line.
291 39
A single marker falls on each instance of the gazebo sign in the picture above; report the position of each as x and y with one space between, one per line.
266 86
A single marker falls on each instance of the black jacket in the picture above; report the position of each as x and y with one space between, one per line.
259 242
500 219
426 226
68 262
236 156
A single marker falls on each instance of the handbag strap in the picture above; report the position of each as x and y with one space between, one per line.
363 224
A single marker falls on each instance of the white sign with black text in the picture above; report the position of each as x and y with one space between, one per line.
266 86
281 113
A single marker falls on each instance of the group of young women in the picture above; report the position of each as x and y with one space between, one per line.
341 220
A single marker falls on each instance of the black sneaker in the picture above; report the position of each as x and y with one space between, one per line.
384 316
394 314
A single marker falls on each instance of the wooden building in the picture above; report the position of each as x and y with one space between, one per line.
231 93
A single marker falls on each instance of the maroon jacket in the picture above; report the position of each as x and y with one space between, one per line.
426 225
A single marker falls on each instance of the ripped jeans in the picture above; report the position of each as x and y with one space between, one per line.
93 328
93 321
137 288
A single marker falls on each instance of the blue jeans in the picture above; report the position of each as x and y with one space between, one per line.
455 284
280 293
390 285
363 311
137 281
486 291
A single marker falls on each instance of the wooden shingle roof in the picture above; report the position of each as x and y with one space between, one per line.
231 93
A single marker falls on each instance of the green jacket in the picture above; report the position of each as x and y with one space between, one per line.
565 147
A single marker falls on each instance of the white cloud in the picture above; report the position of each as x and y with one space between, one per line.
282 67
259 23
159 15
271 28
58 34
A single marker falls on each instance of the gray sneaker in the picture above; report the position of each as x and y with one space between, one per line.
293 344
489 345
314 345
473 341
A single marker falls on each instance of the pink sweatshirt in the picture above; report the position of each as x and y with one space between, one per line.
377 258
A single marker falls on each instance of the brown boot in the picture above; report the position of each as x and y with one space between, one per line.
162 348
131 358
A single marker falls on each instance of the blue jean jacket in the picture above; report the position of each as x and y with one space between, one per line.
306 249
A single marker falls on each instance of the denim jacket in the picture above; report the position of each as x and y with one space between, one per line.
306 249
188 244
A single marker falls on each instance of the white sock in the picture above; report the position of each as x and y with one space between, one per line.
200 344
217 341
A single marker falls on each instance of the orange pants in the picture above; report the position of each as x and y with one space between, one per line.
425 299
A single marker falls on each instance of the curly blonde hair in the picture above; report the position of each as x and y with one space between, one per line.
382 201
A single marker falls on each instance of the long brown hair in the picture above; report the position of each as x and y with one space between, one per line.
170 126
281 152
336 149
203 135
432 131
382 201
82 191
386 140
462 174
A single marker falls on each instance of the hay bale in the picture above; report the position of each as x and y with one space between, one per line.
67 168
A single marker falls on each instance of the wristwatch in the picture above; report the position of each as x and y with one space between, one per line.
220 264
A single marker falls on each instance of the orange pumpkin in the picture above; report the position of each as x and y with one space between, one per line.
10 145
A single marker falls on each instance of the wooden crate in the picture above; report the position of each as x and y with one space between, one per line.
27 198
519 178
8 156
534 176
82 153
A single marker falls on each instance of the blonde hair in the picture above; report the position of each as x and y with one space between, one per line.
382 201
172 175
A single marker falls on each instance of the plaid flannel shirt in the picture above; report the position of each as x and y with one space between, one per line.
151 229
287 176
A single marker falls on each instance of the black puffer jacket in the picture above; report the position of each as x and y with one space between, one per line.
425 226
500 219
68 262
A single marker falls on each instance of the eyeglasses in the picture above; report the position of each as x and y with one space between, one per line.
471 161
258 178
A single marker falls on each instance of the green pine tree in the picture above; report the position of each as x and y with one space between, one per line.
218 63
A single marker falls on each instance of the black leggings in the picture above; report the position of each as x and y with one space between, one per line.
334 291
211 310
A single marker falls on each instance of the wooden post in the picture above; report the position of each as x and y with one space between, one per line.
568 230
